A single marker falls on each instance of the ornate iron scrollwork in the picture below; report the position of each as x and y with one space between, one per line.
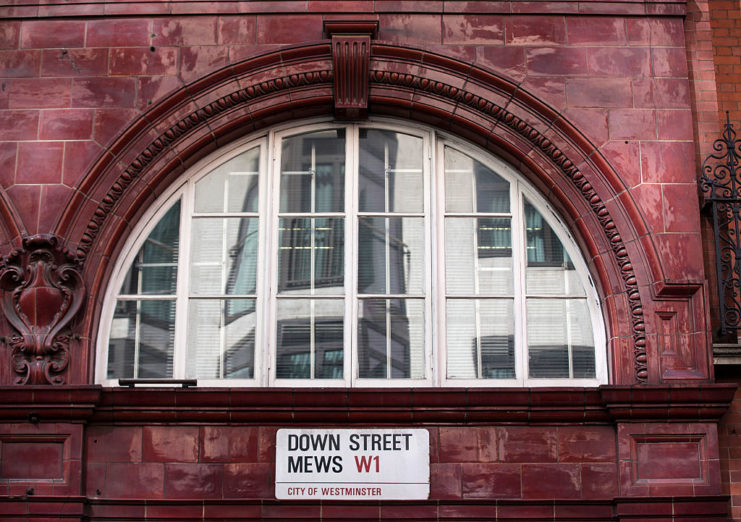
42 291
721 183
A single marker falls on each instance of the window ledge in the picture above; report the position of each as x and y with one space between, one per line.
281 406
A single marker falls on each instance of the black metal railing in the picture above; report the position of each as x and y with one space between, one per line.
721 184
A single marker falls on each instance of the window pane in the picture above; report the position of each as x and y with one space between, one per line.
232 186
390 172
224 256
142 339
154 270
313 172
478 256
470 186
549 268
480 339
312 255
391 339
310 339
221 339
391 255
560 341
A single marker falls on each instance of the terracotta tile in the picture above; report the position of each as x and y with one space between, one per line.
473 29
445 481
551 481
193 480
408 511
623 62
109 123
174 511
638 31
491 480
140 481
78 158
39 93
237 30
104 92
525 512
281 29
527 444
626 159
410 29
155 89
113 444
632 124
671 93
535 30
19 125
31 460
669 61
54 199
599 92
354 6
39 162
118 32
20 64
557 61
74 62
586 444
8 156
591 30
681 255
70 10
549 89
280 6
599 480
9 34
674 124
681 208
467 444
228 444
667 162
291 511
196 62
648 196
248 480
94 478
66 124
666 32
170 444
179 31
140 61
50 33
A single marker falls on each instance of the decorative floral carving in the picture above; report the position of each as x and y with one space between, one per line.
42 291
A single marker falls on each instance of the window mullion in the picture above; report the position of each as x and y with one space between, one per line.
180 351
519 262
352 169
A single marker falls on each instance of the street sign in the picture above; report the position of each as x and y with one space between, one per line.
352 464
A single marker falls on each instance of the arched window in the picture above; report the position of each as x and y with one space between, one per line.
353 255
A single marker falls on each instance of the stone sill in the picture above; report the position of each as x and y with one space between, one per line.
378 406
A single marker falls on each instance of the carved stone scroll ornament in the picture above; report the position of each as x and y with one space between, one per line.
42 291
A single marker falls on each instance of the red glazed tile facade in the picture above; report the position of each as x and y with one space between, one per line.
606 107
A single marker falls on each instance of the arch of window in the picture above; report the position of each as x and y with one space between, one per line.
365 254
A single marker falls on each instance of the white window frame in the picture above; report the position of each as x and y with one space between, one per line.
435 292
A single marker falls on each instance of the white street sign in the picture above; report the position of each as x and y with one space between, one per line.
352 464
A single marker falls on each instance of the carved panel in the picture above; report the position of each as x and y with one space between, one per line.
42 291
